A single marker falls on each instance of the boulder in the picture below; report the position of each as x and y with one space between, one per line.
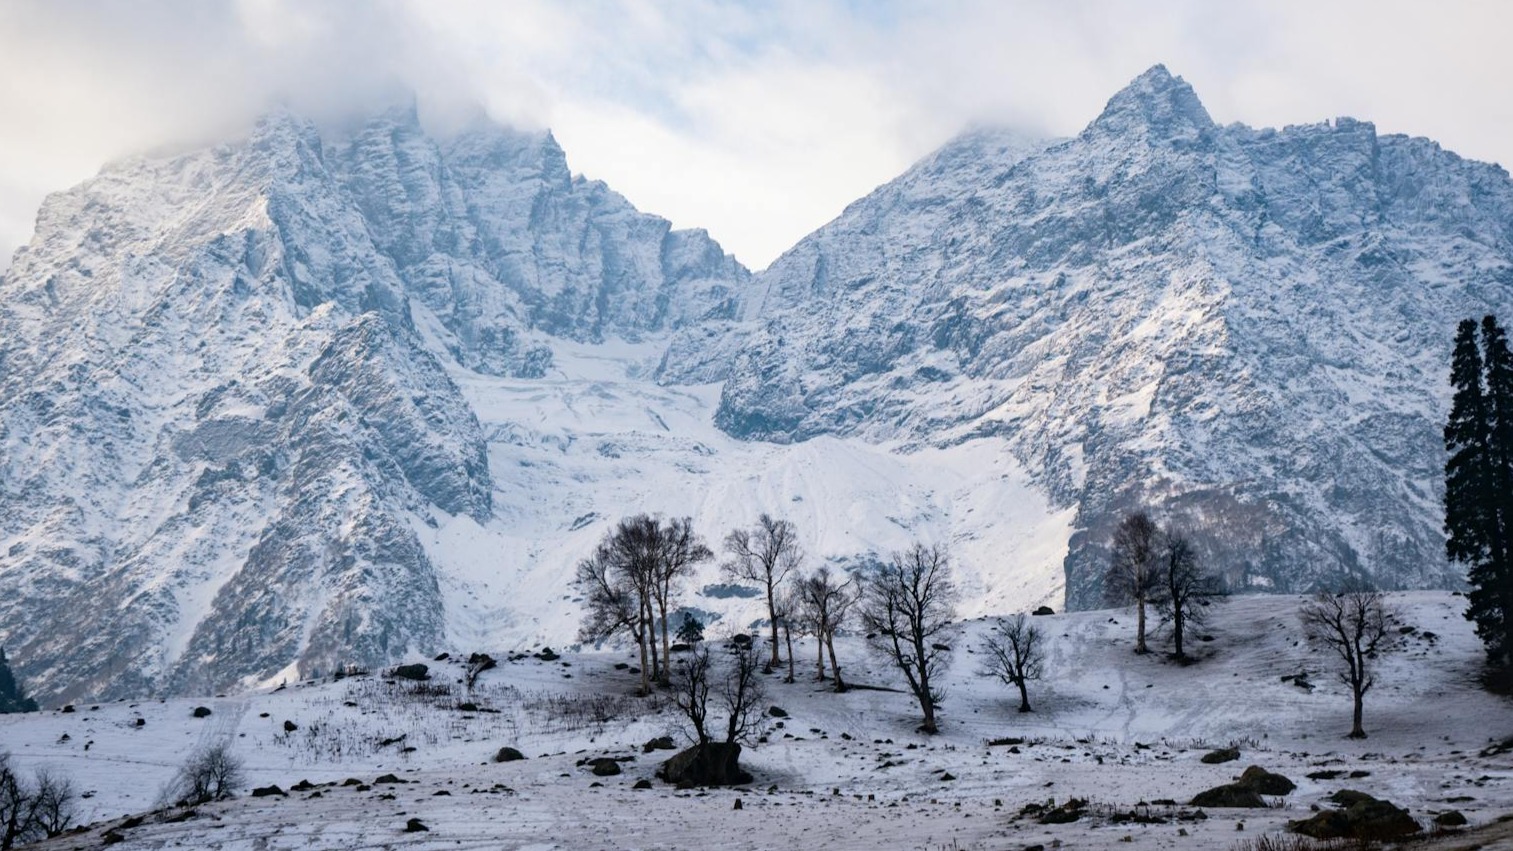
1265 782
415 825
201 712
269 791
604 767
290 726
508 754
1229 795
777 712
1450 818
1363 817
1221 755
713 764
660 743
1043 610
417 671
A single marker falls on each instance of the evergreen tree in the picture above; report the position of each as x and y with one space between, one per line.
1479 479
12 699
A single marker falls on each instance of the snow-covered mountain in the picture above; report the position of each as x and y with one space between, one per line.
225 413
338 395
1246 329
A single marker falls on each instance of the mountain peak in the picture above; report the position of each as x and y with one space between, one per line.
1158 103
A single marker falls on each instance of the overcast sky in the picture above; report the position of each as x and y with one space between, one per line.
756 120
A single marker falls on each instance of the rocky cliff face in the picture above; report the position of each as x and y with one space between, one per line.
224 408
1247 330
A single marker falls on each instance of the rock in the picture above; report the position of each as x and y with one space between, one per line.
643 783
604 767
1265 782
415 825
417 671
777 712
1229 795
1221 755
508 754
302 786
269 791
388 778
1450 818
1064 814
714 764
201 712
1363 817
737 804
660 743
1043 610
290 726
467 706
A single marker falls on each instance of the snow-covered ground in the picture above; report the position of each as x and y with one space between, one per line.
598 440
844 771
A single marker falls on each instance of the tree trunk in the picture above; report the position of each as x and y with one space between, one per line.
840 685
1177 627
650 615
788 640
666 645
1024 696
645 678
1356 730
819 645
1140 626
772 616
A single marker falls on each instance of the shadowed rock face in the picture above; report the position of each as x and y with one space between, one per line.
1246 330
223 407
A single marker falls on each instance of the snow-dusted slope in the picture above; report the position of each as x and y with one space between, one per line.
846 771
1245 329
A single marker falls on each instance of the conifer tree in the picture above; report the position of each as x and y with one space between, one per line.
1479 480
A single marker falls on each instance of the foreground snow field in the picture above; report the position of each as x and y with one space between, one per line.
844 771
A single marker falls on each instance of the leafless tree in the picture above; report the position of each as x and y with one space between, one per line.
1185 589
826 602
690 692
733 681
789 610
1015 649
1354 625
907 607
1134 568
630 582
680 548
213 773
765 554
32 810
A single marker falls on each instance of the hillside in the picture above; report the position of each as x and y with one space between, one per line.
844 771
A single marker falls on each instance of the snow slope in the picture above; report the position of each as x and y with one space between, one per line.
844 771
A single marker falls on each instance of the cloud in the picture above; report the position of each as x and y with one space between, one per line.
757 120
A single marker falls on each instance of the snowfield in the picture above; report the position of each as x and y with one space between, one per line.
843 771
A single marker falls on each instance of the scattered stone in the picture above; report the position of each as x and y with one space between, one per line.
737 804
417 671
1229 795
467 706
1265 782
290 726
604 766
388 778
1363 817
643 783
268 791
302 786
660 743
1450 818
201 712
777 712
1043 610
1329 774
1221 755
508 754
415 825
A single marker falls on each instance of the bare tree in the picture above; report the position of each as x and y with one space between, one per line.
741 695
789 610
907 607
1353 624
1134 568
826 603
1185 589
765 554
31 811
1015 648
680 548
690 692
210 774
